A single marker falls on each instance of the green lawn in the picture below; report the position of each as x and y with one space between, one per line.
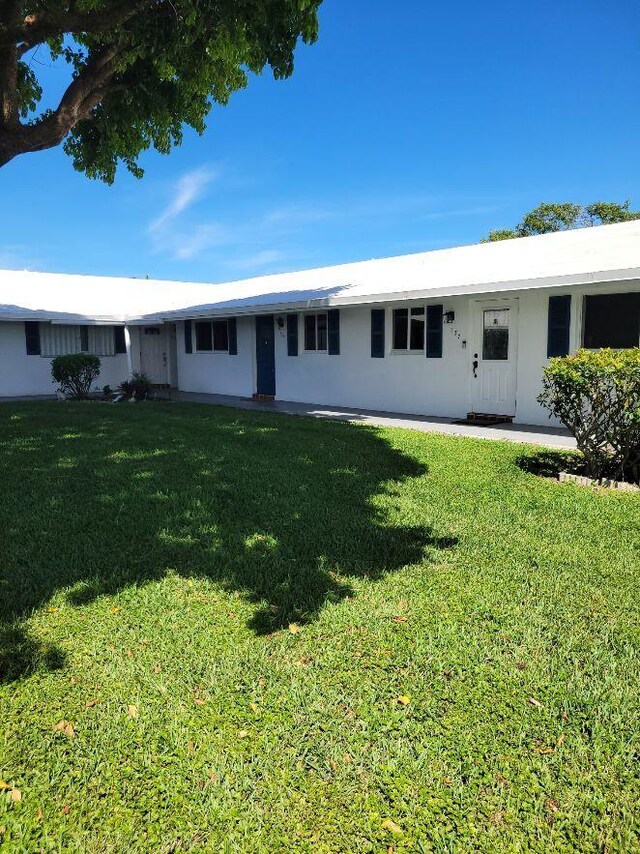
211 622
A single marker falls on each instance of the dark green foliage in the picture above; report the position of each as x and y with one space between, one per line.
138 386
75 373
560 217
596 395
142 70
156 555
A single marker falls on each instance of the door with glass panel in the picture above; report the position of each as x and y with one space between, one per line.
494 357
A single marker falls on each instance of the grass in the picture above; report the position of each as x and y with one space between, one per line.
240 632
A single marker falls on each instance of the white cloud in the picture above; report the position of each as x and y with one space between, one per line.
187 190
263 258
187 246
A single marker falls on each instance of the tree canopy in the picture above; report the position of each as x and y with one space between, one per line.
549 217
139 70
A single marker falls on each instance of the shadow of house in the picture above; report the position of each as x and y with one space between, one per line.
287 514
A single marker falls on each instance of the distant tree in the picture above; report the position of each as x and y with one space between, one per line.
139 70
603 213
560 217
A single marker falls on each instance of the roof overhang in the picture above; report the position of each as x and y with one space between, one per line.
231 309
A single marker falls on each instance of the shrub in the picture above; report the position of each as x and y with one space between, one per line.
75 373
596 395
138 386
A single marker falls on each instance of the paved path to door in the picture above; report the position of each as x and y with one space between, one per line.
547 436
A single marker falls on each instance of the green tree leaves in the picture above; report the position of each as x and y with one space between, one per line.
549 217
140 70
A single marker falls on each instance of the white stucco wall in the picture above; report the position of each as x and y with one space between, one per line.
31 375
219 373
400 382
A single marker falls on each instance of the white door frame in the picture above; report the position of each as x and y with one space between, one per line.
497 399
158 373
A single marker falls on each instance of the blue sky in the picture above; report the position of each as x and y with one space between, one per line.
408 126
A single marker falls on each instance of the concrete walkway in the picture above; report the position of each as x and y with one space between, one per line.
546 436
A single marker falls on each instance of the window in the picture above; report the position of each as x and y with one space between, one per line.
204 336
408 329
315 332
212 336
495 334
612 320
62 339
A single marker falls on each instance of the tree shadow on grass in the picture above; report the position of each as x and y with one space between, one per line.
548 463
285 511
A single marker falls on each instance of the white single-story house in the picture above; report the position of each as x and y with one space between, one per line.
442 333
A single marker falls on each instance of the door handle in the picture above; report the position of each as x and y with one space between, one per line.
474 365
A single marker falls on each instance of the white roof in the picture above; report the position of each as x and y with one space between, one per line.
605 253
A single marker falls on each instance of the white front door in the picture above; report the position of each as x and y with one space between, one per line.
495 354
153 353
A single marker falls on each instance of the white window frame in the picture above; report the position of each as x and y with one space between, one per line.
213 351
408 350
316 349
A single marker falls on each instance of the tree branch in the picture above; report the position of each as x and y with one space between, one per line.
83 94
38 27
9 107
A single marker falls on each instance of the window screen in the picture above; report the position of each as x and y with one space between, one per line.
204 338
400 337
220 335
315 332
416 329
612 320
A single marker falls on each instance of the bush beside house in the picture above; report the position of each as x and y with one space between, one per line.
596 395
75 373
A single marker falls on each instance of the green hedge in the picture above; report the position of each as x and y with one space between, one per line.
75 373
596 394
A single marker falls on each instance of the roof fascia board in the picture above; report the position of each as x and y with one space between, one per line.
601 277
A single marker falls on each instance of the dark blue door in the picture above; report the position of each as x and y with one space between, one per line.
265 355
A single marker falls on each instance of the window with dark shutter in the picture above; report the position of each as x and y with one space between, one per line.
434 332
233 336
559 319
32 337
333 318
188 343
119 342
292 334
377 333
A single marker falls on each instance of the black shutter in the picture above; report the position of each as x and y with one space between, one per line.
377 333
32 337
558 329
84 339
333 325
232 329
120 345
292 335
434 332
188 344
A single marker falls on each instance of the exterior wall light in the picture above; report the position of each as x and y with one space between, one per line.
449 316
280 322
